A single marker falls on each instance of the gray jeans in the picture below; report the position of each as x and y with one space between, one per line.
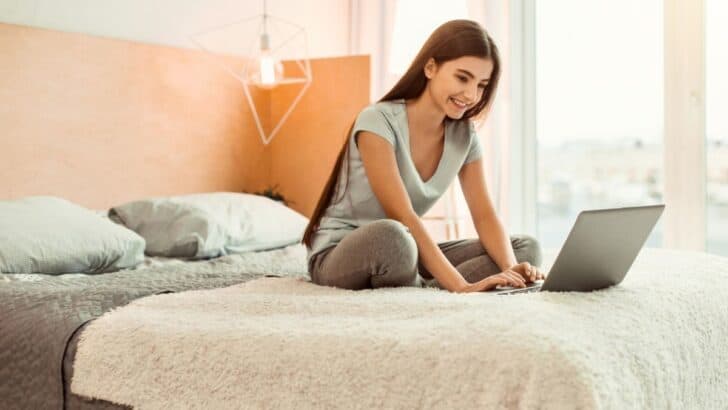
384 253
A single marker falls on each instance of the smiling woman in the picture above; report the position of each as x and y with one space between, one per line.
401 155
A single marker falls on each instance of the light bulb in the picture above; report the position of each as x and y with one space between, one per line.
270 69
265 71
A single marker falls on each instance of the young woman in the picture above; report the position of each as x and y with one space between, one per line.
401 155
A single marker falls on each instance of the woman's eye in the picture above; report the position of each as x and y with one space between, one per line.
462 79
481 86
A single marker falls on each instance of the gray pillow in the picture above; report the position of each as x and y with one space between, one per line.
45 234
211 224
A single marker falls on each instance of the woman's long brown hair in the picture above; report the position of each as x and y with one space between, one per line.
452 40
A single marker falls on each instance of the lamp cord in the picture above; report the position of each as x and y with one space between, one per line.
265 17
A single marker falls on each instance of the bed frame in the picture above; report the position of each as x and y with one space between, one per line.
101 121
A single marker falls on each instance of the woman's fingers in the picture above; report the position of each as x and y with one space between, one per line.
515 278
529 272
533 273
510 278
521 280
525 270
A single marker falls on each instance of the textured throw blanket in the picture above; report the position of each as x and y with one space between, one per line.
658 340
39 313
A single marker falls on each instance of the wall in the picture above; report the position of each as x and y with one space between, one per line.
171 22
103 121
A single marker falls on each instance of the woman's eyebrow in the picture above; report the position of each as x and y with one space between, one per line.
469 74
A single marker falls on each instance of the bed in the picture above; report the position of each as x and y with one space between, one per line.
251 329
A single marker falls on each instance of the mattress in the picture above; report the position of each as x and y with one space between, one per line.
655 341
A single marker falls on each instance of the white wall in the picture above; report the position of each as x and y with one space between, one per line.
171 22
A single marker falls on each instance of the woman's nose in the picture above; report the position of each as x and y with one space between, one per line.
470 93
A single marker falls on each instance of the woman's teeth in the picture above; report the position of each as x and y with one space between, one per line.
458 103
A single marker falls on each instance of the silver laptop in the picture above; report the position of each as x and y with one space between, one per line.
600 249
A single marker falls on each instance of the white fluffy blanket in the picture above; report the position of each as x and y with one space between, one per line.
658 340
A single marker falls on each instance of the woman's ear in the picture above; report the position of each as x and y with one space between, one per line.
430 68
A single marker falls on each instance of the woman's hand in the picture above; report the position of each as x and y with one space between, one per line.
528 272
506 278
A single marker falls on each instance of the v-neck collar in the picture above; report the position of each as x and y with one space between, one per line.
409 148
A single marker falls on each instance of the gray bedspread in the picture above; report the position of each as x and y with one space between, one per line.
38 319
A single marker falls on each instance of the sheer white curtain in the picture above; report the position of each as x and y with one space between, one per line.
392 31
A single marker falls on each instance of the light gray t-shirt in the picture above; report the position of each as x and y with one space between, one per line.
358 205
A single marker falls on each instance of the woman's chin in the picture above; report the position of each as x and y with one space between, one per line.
455 115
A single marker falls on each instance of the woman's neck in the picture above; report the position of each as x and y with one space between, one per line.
425 117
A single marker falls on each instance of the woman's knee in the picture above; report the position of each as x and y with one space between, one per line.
390 234
381 253
395 251
528 249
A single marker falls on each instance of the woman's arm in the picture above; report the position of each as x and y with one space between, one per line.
491 232
381 169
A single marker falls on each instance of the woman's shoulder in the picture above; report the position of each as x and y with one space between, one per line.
382 118
387 109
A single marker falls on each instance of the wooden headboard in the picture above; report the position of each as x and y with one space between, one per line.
101 121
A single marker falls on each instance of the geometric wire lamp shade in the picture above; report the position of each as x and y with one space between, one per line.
262 71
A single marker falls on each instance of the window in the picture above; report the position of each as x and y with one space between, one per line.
716 85
599 110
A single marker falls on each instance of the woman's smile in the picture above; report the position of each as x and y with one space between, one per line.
458 103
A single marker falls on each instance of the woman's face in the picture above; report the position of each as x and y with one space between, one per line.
457 85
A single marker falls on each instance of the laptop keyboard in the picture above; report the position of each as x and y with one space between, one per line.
532 288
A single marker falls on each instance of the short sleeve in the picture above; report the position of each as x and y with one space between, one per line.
476 147
373 120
